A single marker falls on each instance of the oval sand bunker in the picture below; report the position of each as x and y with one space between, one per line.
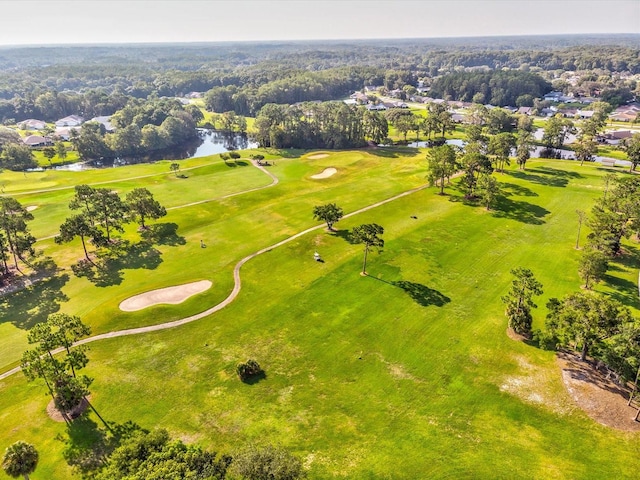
171 295
31 208
318 156
326 173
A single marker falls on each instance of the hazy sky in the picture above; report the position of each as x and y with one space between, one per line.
121 21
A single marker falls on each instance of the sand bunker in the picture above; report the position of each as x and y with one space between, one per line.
318 156
31 208
172 295
326 173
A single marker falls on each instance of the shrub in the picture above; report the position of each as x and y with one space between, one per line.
234 155
224 156
249 369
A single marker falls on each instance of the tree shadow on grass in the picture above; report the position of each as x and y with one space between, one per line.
163 234
33 304
548 179
510 189
419 293
253 379
108 270
393 152
524 212
624 291
343 234
88 445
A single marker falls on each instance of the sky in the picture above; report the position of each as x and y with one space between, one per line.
24 22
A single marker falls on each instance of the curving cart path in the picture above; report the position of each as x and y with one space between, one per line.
237 284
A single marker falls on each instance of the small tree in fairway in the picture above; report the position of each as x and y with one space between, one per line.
20 459
329 213
519 300
143 206
368 234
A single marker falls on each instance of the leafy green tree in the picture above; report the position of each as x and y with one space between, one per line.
376 127
442 164
17 157
329 213
154 456
16 239
585 320
272 463
20 459
593 265
49 153
143 206
632 147
500 147
61 150
519 300
83 200
111 211
60 375
369 235
524 145
175 168
585 148
80 226
474 165
556 130
489 189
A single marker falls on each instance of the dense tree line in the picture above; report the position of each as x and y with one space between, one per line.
496 87
142 126
318 125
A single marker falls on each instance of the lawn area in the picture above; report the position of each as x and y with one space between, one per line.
405 373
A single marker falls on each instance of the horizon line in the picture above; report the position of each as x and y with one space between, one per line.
311 40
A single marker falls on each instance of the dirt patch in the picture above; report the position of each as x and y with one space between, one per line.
31 208
537 386
317 156
511 333
326 173
56 415
170 295
598 396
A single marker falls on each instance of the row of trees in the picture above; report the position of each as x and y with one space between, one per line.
141 127
102 212
318 125
500 88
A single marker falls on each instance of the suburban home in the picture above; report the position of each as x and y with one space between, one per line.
33 124
70 121
105 121
615 137
623 117
525 110
64 133
380 106
585 113
37 141
194 95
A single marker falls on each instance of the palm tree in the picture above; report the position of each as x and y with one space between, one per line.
368 234
20 458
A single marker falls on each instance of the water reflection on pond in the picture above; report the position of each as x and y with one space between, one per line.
208 142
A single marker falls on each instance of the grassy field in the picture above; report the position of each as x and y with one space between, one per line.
406 373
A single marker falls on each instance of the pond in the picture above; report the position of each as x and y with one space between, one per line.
209 142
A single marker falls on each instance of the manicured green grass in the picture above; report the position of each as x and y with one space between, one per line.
406 373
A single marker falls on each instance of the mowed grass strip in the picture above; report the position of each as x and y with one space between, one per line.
406 373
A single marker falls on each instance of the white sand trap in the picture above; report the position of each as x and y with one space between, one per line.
326 173
31 208
172 295
318 156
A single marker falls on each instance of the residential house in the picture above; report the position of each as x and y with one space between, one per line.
37 141
104 120
525 110
615 137
33 124
64 133
70 121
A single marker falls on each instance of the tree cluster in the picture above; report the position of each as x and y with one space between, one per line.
498 88
142 126
102 212
15 239
66 387
318 125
